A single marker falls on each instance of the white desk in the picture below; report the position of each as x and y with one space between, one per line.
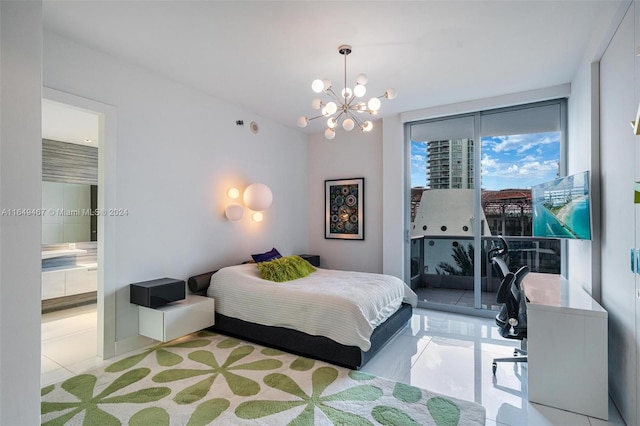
567 346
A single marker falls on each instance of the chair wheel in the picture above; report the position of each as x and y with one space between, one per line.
494 367
515 353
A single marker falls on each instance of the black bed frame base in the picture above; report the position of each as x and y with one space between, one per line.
318 347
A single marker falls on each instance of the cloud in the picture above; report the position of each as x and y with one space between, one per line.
536 168
526 167
487 163
521 143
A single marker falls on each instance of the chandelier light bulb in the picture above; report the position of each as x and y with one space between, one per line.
329 134
317 85
303 121
374 104
340 106
348 124
390 94
359 90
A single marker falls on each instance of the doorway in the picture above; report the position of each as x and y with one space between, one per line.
95 255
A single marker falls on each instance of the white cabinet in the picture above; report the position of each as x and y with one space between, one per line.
69 281
177 318
53 284
78 281
566 346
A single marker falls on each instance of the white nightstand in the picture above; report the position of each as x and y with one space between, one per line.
177 318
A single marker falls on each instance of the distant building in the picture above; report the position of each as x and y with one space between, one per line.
508 211
450 164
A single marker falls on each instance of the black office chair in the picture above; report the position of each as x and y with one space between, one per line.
512 318
498 258
509 294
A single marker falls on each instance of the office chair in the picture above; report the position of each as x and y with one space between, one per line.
512 318
498 258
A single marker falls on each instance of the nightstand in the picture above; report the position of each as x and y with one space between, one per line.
313 259
176 319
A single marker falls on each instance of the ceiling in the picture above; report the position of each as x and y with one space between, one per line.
64 123
263 55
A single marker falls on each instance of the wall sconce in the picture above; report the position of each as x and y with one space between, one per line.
234 212
257 197
233 193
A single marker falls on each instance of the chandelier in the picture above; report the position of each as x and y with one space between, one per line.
347 108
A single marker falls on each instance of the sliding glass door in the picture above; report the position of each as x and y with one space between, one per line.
464 194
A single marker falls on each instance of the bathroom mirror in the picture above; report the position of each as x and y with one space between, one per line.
67 211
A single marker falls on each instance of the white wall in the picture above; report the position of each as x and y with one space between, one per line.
20 172
582 154
395 192
178 151
618 145
349 155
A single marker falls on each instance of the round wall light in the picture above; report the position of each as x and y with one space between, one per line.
257 197
234 212
233 193
257 216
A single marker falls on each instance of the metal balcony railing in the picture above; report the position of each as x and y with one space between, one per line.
447 263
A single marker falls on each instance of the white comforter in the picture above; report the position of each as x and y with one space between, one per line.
344 306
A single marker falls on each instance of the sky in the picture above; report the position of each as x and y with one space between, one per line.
514 161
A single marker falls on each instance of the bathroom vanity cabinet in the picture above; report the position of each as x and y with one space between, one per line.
69 281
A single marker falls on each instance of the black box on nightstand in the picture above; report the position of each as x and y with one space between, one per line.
156 293
313 259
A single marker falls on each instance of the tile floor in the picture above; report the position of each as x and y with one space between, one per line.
457 297
443 352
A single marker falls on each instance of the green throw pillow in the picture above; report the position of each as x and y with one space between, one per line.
285 269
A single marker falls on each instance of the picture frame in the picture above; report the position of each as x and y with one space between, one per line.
344 209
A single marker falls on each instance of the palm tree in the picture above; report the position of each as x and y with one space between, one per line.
464 259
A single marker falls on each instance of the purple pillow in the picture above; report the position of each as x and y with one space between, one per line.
267 256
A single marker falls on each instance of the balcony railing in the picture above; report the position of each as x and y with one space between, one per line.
441 264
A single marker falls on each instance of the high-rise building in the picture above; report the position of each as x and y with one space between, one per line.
450 164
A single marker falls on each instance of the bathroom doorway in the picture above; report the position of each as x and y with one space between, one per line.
78 326
69 240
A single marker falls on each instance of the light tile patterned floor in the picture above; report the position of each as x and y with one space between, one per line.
443 352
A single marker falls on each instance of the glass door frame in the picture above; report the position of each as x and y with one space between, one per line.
477 195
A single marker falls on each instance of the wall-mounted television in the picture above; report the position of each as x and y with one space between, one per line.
562 208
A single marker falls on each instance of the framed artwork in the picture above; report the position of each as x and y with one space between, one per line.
344 209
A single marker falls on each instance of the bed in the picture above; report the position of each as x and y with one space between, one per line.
342 317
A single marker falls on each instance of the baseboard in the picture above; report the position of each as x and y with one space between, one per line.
131 344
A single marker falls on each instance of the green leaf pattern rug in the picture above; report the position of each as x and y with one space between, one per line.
207 378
